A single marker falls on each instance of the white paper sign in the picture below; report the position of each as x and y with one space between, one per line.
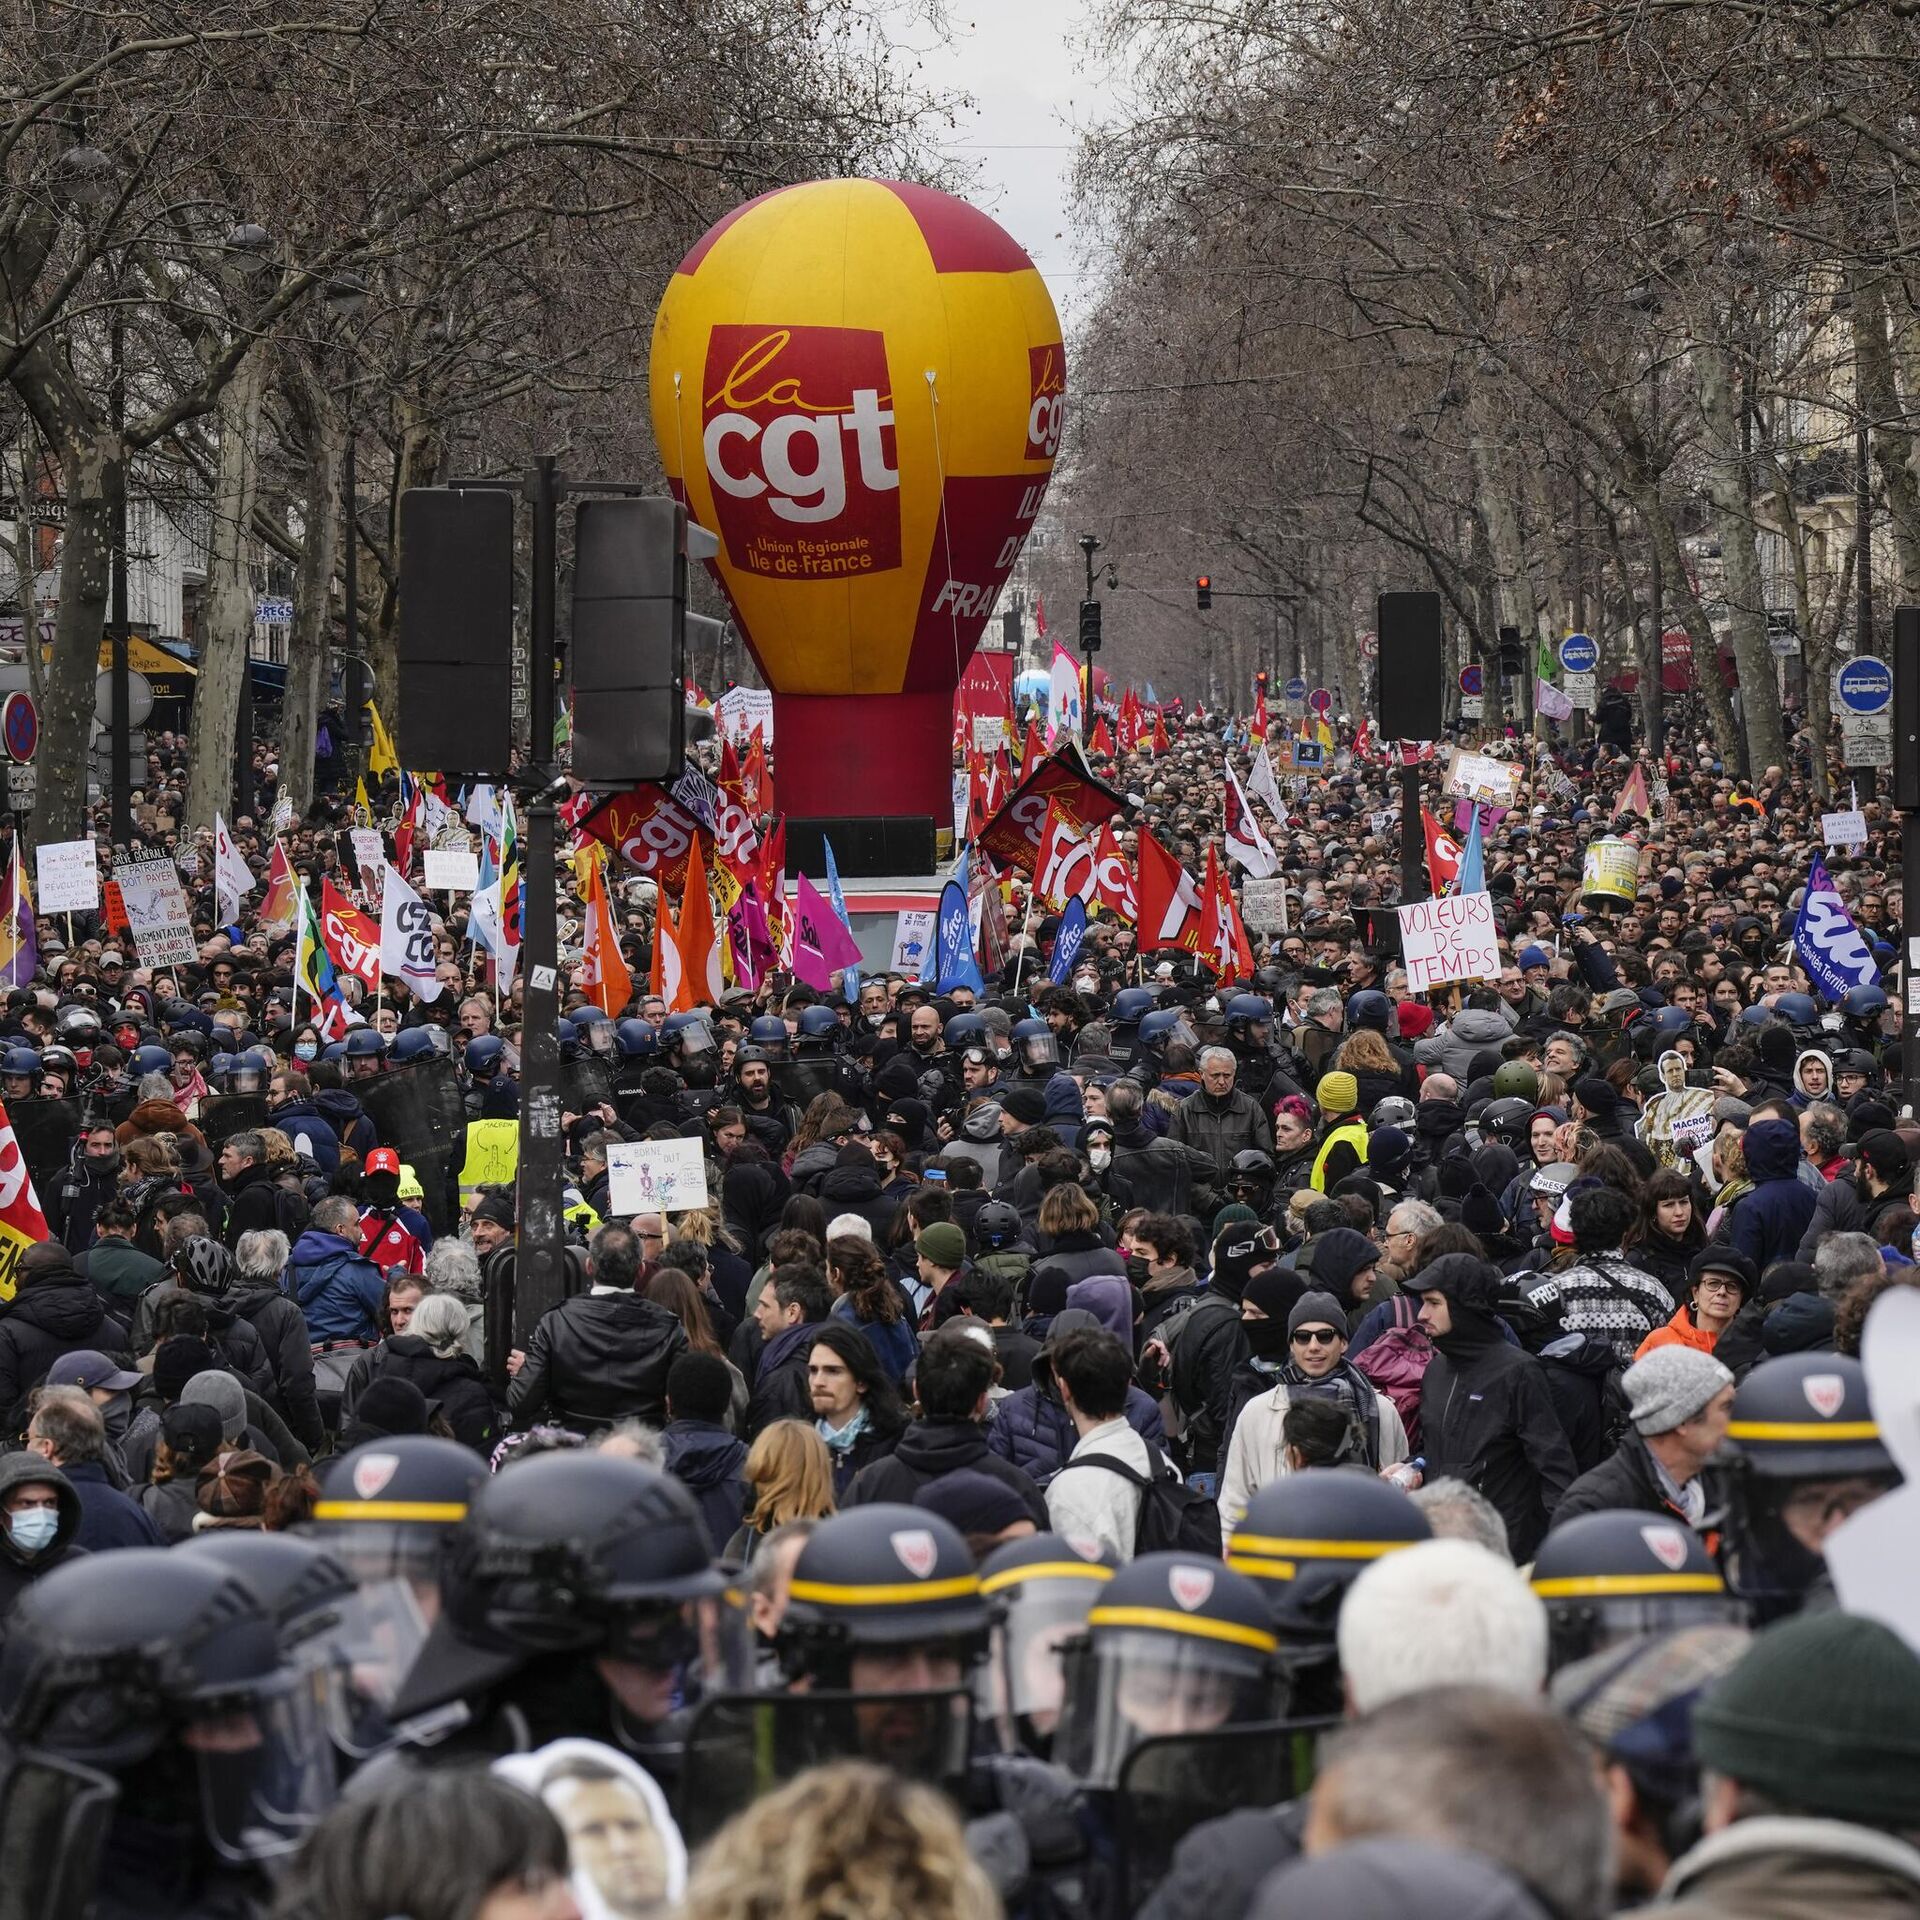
1583 690
452 869
656 1176
1866 739
1449 939
369 851
912 938
1844 829
962 795
740 709
1263 906
66 875
158 913
1478 776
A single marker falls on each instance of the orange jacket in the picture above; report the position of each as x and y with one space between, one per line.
1680 1331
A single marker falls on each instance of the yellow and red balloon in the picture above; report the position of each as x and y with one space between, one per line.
858 385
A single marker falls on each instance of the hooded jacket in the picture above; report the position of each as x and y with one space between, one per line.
856 1187
337 1288
56 1311
18 1570
453 1384
1486 1416
598 1358
711 1464
1451 1049
931 1449
282 1328
1109 1298
752 1195
302 1120
1769 1223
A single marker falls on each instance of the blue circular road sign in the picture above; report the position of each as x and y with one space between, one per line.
1864 685
1295 689
1471 679
1578 654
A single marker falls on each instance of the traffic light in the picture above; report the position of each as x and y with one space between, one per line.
1089 626
1203 591
1513 660
1260 681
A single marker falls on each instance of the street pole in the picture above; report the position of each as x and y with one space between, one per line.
1413 837
119 728
540 1272
1906 797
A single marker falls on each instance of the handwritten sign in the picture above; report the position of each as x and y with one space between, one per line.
1478 776
912 934
369 852
1847 829
656 1176
1450 939
157 910
451 869
67 876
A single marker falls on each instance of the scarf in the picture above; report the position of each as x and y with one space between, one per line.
842 1442
1342 1387
195 1089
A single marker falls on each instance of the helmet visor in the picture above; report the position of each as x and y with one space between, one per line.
265 1764
694 1038
1137 1685
374 1551
1577 1628
1041 1049
361 1645
1026 1677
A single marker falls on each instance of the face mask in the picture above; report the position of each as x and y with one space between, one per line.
33 1528
306 1050
1100 1158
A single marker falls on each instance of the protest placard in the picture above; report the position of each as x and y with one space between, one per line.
656 1176
157 911
66 876
451 869
1449 939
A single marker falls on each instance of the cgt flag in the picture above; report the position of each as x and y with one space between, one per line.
1826 941
955 964
1067 941
22 1224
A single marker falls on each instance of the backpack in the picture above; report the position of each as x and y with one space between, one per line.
1174 1517
1396 1363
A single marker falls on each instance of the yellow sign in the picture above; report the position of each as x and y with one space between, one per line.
1610 871
493 1157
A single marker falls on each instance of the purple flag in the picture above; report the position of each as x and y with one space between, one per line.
751 939
821 943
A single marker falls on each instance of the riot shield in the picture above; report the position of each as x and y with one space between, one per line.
741 1745
417 1111
801 1082
54 1816
46 1131
225 1114
1170 1784
585 1083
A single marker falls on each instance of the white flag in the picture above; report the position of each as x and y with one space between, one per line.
1245 842
1263 786
406 938
483 809
232 877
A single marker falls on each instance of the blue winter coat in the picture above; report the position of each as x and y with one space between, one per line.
1769 1223
894 1343
1031 1428
336 1287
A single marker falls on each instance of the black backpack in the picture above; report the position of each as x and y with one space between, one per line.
1173 1516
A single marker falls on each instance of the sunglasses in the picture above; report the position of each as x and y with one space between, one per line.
1315 1337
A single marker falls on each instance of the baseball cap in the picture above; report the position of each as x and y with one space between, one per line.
381 1160
89 1368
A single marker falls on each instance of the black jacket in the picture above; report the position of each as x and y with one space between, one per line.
596 1359
253 1205
1207 1343
56 1311
779 1376
453 1384
1219 1865
1073 1257
282 1328
80 1195
931 1449
1627 1479
710 1463
1161 1175
1487 1418
860 1190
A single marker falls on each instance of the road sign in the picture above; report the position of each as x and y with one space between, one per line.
1320 700
1470 683
139 698
1295 689
1369 646
22 777
1863 685
19 726
1578 654
1472 707
1583 689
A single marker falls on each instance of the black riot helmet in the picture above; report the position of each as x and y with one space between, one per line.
389 1509
1040 1591
153 1680
1608 1577
1251 1177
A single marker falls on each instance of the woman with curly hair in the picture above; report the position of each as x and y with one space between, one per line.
849 1841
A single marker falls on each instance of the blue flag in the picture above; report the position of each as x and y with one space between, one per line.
850 979
1066 943
1472 876
1827 942
954 962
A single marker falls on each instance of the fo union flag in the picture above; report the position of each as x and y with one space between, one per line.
22 1224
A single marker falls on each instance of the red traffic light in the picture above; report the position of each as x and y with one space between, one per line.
1203 591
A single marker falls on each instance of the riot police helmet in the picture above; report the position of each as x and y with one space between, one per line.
151 1058
23 1063
390 1508
768 1032
1246 1012
968 1029
1040 1591
252 1071
1797 1009
414 1044
1164 1027
1610 1576
1131 1005
485 1054
686 1033
636 1040
1370 1008
1864 1003
594 1029
818 1026
1035 1044
162 1670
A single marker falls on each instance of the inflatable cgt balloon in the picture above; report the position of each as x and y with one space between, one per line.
858 385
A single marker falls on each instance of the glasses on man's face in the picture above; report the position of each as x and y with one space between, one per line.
1314 1337
655 1237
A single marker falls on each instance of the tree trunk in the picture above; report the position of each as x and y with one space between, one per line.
1731 504
89 480
1881 405
229 613
312 607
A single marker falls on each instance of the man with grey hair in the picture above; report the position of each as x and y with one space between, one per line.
1408 1222
1843 1260
1219 1120
260 1299
335 1285
248 1184
1456 1511
65 1428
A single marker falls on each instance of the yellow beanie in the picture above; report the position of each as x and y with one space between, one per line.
1339 1093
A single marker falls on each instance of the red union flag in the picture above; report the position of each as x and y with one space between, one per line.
22 1224
1114 887
1443 852
1012 836
1067 870
1172 914
351 938
797 430
1226 947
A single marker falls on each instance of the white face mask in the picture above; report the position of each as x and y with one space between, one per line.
1100 1158
32 1528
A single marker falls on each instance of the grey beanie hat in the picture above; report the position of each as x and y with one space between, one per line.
1317 1310
1670 1386
225 1395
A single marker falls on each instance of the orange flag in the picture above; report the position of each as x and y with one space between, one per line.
1031 754
662 940
603 974
701 982
276 910
1102 741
